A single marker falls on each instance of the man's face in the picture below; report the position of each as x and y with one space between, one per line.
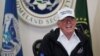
68 24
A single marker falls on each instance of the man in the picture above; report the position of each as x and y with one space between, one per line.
66 39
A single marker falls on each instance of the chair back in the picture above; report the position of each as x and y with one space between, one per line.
36 46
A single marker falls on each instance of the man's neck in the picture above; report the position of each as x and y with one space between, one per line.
69 35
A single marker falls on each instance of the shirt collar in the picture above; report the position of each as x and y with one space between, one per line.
73 35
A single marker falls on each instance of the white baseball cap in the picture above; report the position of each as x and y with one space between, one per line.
64 12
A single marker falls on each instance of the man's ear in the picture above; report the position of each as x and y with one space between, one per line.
76 21
58 23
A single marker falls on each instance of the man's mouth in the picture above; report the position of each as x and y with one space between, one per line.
68 26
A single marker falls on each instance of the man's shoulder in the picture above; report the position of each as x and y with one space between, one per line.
81 35
52 35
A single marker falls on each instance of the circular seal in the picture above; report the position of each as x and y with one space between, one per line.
41 12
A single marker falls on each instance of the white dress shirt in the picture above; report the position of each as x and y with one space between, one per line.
70 44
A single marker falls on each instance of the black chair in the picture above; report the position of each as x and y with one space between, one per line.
36 46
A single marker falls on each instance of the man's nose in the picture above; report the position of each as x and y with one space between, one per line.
68 21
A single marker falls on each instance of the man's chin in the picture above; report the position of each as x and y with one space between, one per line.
69 30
